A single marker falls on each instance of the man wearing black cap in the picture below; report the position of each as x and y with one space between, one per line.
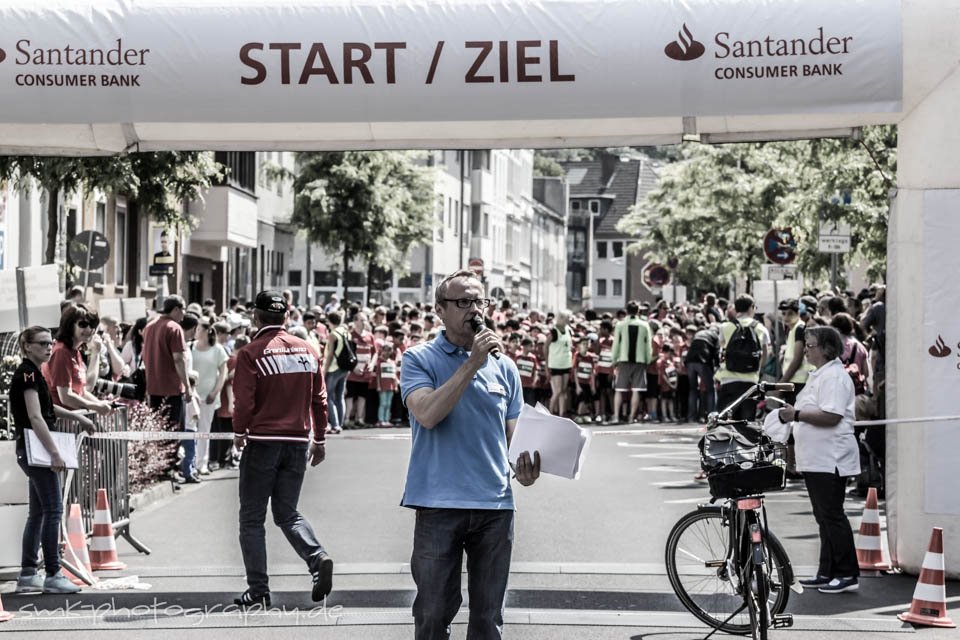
280 399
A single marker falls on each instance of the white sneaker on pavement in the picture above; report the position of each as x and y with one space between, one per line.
59 584
30 584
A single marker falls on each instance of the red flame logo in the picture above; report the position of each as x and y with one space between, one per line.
939 349
685 47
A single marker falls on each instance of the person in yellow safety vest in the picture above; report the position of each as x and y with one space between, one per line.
559 362
632 352
795 366
742 357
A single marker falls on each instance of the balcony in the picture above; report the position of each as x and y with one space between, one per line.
481 187
228 216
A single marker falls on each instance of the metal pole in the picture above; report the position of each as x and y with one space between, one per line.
86 273
776 331
22 311
834 261
463 233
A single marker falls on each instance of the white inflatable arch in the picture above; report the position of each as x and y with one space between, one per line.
86 77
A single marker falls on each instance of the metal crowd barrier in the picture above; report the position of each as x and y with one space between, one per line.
103 464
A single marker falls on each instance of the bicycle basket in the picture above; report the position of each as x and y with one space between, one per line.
737 467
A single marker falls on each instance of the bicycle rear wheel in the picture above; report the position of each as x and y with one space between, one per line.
696 566
757 602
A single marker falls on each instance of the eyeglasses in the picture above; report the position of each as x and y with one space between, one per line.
83 324
811 346
466 303
42 343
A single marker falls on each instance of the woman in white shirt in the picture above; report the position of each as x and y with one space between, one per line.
827 455
210 363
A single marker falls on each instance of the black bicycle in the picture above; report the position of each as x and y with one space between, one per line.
725 565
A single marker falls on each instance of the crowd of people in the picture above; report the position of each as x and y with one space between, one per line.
662 362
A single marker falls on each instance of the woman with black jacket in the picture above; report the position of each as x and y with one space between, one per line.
32 408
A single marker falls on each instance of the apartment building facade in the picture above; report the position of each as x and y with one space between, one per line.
489 211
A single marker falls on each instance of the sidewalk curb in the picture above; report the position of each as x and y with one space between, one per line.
151 495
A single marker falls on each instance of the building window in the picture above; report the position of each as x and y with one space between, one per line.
120 245
325 278
412 281
617 287
481 159
618 249
294 278
576 242
486 225
476 217
100 218
575 206
601 287
602 249
594 207
240 169
356 279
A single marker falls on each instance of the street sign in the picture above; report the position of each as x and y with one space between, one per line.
476 265
780 246
89 250
834 237
778 272
655 276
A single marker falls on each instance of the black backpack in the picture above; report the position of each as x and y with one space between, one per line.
742 354
347 358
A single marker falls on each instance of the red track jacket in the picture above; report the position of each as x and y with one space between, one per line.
279 390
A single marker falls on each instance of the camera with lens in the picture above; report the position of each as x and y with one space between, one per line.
104 387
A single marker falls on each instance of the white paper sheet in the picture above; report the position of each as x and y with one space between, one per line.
562 443
38 456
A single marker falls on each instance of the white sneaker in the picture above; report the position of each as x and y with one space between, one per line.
30 584
59 584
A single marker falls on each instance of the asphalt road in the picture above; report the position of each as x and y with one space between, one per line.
588 556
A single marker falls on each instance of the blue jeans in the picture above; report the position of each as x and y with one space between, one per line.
697 371
439 540
336 390
176 418
383 409
273 471
43 519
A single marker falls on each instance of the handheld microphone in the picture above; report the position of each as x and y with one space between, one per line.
476 323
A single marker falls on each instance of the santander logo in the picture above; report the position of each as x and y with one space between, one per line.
685 47
939 349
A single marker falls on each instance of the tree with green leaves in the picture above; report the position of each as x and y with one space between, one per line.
156 182
712 208
371 206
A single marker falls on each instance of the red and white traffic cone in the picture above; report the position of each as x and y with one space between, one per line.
76 546
869 542
929 606
103 546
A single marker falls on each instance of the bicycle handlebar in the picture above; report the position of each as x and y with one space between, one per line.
762 387
776 386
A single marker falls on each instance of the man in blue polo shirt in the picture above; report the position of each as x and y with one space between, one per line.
464 404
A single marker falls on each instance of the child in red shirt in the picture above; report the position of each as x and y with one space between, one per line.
667 377
528 363
585 379
386 383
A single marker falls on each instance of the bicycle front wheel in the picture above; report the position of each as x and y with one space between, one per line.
696 559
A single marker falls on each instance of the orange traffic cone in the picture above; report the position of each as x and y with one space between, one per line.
103 546
869 547
76 547
4 615
929 606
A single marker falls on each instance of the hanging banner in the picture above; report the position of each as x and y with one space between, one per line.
941 331
386 61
